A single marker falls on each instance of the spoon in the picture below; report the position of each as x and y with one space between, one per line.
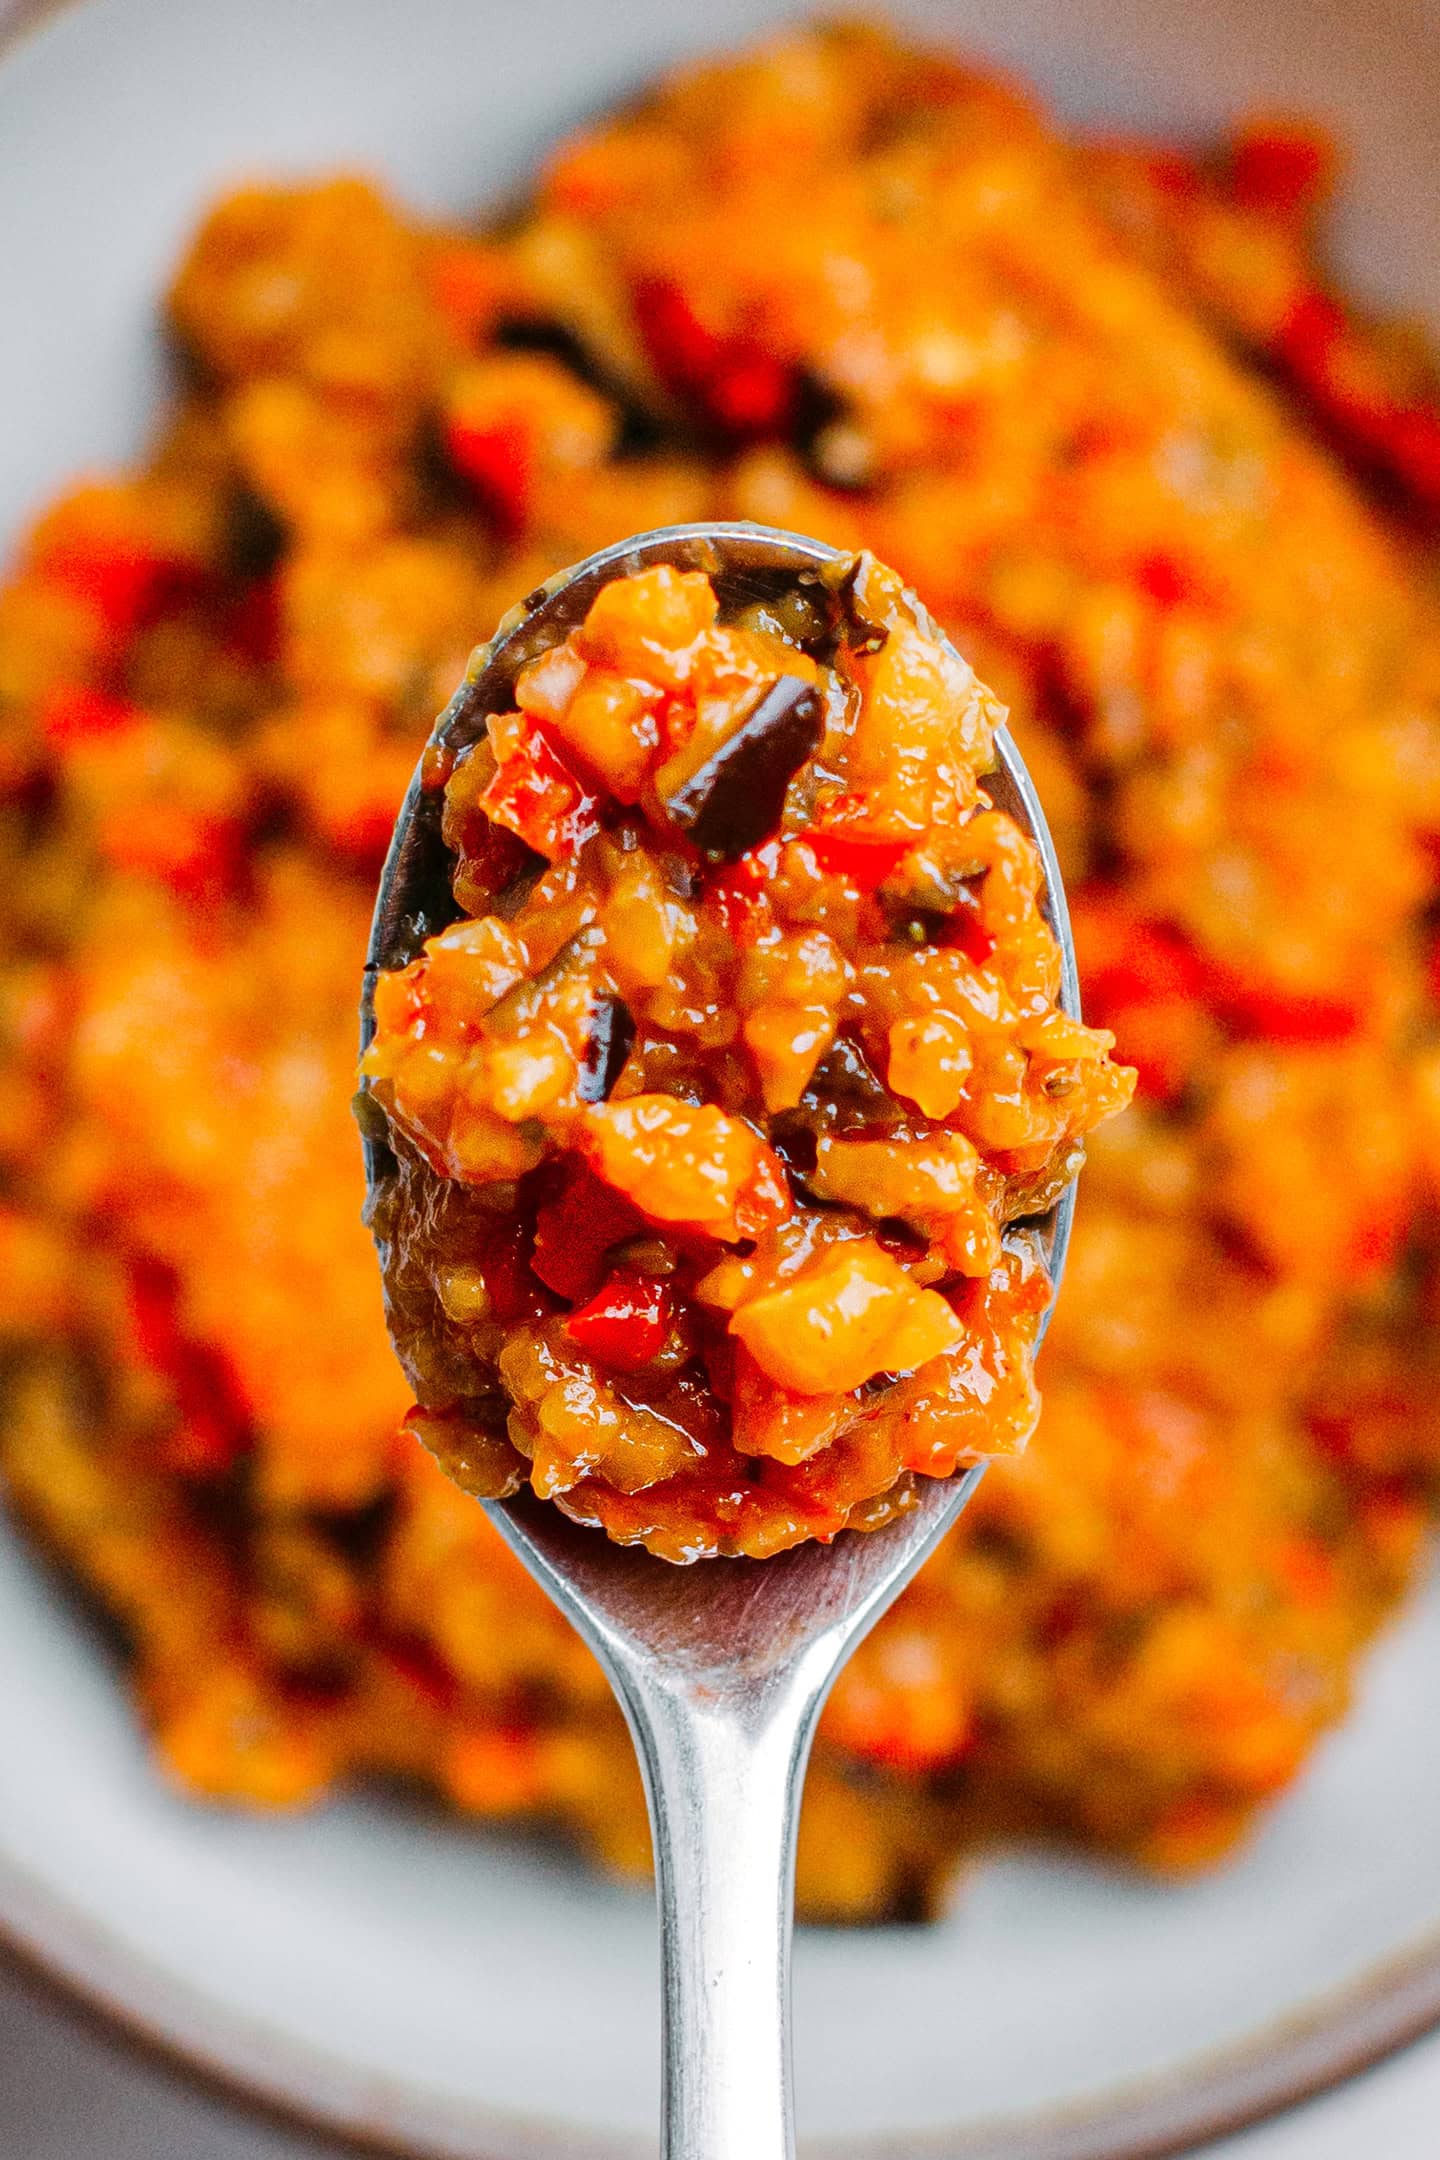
721 1668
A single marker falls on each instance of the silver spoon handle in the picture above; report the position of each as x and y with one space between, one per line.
724 1779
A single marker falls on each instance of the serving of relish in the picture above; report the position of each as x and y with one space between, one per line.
743 1054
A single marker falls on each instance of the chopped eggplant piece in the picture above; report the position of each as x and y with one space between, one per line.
734 801
522 1006
934 902
513 896
931 885
612 1031
863 633
845 1094
1034 1192
794 1142
254 538
803 615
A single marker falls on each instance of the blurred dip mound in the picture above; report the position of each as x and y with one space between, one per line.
1171 498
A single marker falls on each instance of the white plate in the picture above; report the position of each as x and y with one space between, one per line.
390 1971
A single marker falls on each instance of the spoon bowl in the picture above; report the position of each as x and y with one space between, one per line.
721 1668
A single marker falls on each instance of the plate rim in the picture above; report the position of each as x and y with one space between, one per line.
1391 2005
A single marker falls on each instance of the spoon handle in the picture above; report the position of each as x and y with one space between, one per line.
724 1777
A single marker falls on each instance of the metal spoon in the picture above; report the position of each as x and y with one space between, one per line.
721 1668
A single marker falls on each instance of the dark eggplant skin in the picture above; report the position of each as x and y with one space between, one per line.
857 629
735 799
612 1031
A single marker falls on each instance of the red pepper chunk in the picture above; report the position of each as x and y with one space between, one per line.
576 1229
850 840
1380 417
497 458
1281 168
1290 1016
625 1325
746 389
964 932
212 1428
740 912
73 713
535 795
738 892
1272 1012
252 625
866 862
194 853
125 582
1163 578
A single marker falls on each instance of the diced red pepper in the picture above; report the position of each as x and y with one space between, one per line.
213 1427
253 623
419 1668
575 1230
1313 328
1164 579
738 893
1339 365
497 458
758 865
191 851
1376 1239
1281 168
1145 981
625 1324
73 713
677 340
1126 963
865 860
515 1291
127 585
844 839
1285 1016
536 796
1408 442
741 912
1172 173
1128 960
751 393
745 388
964 932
